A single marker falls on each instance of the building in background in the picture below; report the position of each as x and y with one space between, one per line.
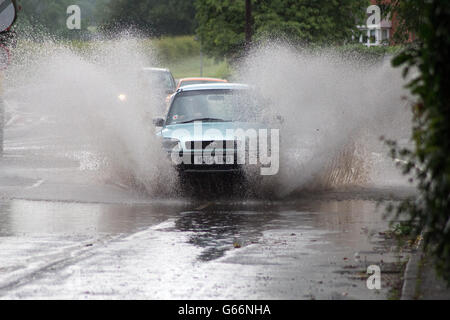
379 33
376 35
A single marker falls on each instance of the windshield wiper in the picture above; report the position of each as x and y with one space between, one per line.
206 120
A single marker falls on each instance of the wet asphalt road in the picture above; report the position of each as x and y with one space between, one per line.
311 249
64 234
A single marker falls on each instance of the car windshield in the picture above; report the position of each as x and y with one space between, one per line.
160 79
213 105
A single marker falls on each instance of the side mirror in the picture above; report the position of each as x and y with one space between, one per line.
158 122
279 118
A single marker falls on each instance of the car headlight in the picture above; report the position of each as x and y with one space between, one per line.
170 144
122 97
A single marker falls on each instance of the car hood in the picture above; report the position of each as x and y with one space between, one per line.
206 131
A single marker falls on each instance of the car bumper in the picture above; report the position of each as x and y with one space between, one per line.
192 163
209 168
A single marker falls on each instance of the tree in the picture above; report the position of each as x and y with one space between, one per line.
429 161
221 23
153 17
406 16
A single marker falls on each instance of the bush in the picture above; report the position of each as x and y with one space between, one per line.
170 49
429 162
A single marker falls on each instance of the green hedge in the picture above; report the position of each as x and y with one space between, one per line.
428 163
171 49
167 49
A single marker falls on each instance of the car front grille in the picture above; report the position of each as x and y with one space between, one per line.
223 144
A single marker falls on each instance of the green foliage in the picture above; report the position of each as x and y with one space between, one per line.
330 22
152 17
410 14
429 162
170 49
221 23
190 67
360 52
402 229
181 55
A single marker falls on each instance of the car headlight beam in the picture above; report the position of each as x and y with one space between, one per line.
122 97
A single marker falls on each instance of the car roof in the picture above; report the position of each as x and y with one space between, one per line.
215 86
203 78
156 69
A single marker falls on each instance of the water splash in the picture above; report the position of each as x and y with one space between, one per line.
335 108
76 92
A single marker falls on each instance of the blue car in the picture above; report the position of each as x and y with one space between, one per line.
215 128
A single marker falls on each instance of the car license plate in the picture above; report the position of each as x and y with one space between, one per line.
229 159
209 159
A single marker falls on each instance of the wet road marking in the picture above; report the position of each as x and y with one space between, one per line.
53 261
204 206
120 185
35 185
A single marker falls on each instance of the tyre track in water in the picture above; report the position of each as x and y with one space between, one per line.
40 264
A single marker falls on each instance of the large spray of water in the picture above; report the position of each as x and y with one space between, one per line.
78 92
334 110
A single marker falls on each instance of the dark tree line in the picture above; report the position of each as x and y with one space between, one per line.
150 17
221 23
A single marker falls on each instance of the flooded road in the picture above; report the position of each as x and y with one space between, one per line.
66 232
69 230
305 249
